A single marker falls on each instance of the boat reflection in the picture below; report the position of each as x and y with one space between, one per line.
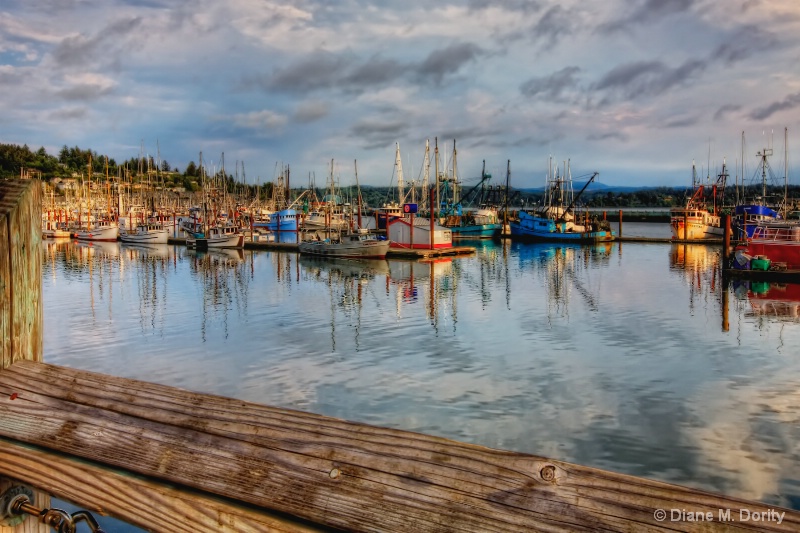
290 237
770 301
224 279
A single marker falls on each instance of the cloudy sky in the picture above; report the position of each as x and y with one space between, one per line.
633 89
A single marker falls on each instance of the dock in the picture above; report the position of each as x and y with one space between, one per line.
170 460
393 253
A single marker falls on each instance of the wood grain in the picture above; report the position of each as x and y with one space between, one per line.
331 472
21 271
147 504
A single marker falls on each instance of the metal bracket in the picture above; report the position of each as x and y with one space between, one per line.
7 500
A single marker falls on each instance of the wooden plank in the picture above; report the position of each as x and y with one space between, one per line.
134 499
5 288
336 473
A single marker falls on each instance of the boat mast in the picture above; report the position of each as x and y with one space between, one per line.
399 169
436 171
455 176
785 172
763 155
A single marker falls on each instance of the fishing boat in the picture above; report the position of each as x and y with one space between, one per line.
106 228
554 221
283 220
776 241
217 236
700 217
53 229
761 209
360 243
146 233
481 223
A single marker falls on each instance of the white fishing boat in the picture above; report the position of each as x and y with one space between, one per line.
102 232
700 217
359 243
53 229
147 233
218 236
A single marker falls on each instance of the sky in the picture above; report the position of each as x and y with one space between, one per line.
633 89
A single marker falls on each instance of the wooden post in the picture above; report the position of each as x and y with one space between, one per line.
20 271
726 251
412 231
21 305
620 224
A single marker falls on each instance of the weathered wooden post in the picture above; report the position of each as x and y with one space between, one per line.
620 224
20 271
21 304
726 250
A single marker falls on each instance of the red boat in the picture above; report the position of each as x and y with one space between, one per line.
779 242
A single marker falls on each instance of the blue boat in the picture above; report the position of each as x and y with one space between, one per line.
283 220
746 218
554 221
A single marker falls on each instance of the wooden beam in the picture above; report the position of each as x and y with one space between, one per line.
134 499
335 473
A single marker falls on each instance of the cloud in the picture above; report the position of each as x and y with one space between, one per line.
375 71
648 11
554 25
790 102
80 50
723 111
74 113
264 120
616 135
85 91
321 70
553 87
681 122
448 60
516 6
748 41
378 134
311 111
644 79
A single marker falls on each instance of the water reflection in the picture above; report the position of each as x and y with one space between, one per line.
224 280
621 361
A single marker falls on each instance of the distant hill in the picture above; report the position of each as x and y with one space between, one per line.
595 187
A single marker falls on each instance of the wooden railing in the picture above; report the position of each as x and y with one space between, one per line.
167 459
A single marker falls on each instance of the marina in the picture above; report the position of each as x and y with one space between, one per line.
490 348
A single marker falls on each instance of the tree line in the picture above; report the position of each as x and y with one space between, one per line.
75 161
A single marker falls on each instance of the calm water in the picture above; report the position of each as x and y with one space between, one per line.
629 357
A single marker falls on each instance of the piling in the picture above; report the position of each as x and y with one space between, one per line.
619 233
726 250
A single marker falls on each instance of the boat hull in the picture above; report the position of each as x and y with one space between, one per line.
364 249
100 233
150 237
285 220
540 229
476 231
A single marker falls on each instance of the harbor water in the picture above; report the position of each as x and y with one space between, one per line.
630 357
